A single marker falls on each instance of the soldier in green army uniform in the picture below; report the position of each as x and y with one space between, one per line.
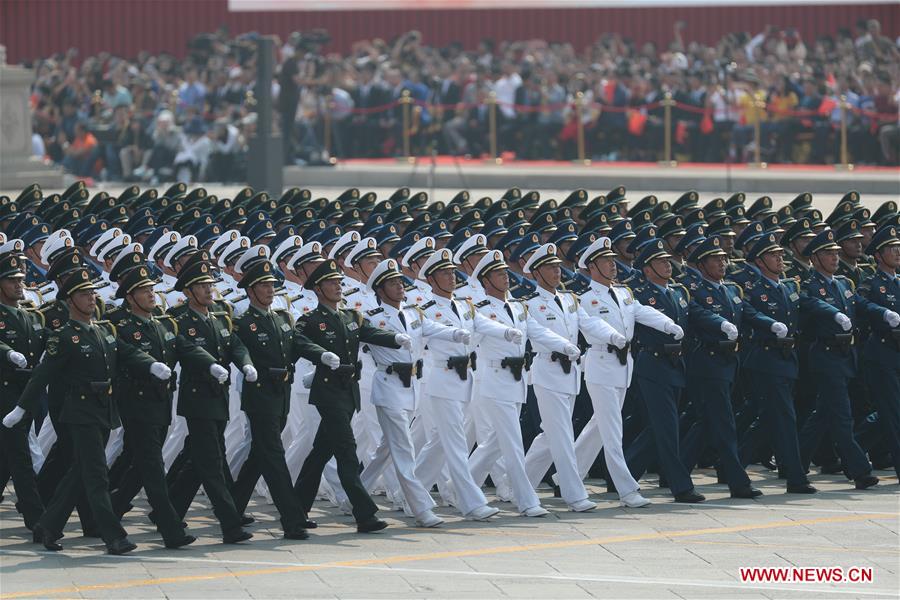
85 355
21 343
274 348
203 401
334 335
146 405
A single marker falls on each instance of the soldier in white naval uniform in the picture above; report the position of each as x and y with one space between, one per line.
447 386
395 387
502 383
556 376
608 370
165 288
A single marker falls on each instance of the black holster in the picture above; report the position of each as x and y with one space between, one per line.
785 345
515 364
673 351
621 354
564 361
460 364
99 387
403 370
473 360
529 360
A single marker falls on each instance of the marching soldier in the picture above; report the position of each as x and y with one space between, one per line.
21 343
87 355
608 370
269 338
334 335
203 401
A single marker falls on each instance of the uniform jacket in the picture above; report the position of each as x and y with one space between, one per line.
20 331
882 347
780 301
601 365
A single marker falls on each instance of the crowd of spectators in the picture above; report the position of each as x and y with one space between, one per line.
191 119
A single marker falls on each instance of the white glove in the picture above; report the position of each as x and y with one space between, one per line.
250 373
308 379
618 340
572 351
462 336
514 335
404 340
331 360
18 359
779 329
14 416
219 372
160 371
675 330
891 318
844 321
730 331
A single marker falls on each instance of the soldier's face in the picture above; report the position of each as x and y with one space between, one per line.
890 256
605 266
499 279
144 298
852 248
264 293
715 267
331 290
662 267
12 290
828 259
392 291
550 275
774 261
727 243
202 293
84 301
800 244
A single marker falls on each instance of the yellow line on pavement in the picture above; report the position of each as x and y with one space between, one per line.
799 547
133 583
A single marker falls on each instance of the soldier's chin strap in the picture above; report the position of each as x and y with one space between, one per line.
655 272
546 286
608 279
487 279
438 286
137 303
765 260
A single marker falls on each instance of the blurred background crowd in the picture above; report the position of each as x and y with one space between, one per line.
159 118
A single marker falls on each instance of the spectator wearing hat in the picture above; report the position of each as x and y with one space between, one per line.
556 374
21 344
881 353
832 308
85 354
203 401
333 335
608 370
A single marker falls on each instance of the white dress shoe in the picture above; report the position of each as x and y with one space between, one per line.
583 506
428 519
634 500
482 513
535 511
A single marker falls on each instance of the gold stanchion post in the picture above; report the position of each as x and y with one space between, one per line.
492 128
845 164
326 125
667 103
579 115
405 102
757 163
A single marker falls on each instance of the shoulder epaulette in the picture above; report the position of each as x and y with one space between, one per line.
682 286
482 304
428 305
374 311
737 287
225 316
108 324
170 319
36 312
351 291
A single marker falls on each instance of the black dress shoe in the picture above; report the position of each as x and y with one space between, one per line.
690 497
769 463
746 492
235 536
49 540
298 534
804 488
185 540
120 546
247 519
370 525
866 482
310 524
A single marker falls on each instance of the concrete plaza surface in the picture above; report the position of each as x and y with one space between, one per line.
666 550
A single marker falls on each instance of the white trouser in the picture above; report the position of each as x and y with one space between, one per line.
504 440
483 421
396 448
555 445
607 422
449 448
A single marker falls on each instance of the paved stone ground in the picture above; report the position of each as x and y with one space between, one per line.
664 551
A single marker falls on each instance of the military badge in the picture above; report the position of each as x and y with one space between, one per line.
75 339
252 326
322 326
137 335
192 331
763 297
